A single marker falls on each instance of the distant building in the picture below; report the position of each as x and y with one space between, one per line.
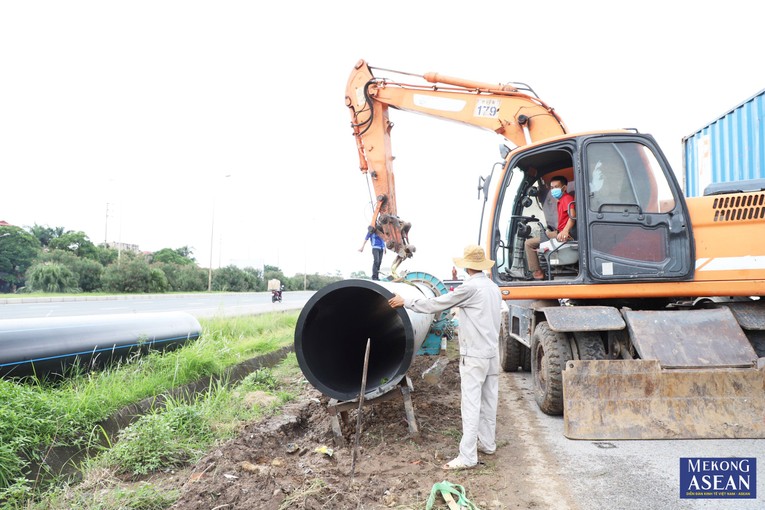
123 247
5 224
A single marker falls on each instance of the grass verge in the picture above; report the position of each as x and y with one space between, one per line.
37 414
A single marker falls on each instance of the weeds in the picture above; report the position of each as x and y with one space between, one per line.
143 496
259 380
310 488
181 432
162 439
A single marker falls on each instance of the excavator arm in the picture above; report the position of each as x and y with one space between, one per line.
512 111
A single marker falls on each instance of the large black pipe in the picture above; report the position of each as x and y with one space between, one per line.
333 328
50 345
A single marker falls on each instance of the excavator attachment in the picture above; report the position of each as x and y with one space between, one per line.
698 377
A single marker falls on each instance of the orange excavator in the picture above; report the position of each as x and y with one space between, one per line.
650 321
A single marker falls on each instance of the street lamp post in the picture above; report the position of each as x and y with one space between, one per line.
212 241
212 234
106 226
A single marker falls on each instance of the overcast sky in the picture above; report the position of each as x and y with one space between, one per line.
178 123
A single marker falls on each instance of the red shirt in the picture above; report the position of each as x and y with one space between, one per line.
563 204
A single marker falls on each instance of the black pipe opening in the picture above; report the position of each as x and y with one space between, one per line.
331 337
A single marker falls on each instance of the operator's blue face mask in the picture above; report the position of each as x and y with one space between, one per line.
556 193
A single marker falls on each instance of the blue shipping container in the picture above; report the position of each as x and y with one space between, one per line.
731 148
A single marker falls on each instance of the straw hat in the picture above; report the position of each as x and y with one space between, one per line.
473 258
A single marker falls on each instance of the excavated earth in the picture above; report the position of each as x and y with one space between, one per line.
293 461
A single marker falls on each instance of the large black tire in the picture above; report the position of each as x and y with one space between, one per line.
526 357
550 351
590 345
757 339
509 350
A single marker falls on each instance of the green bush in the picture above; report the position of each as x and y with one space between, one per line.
233 279
183 277
157 280
18 250
89 274
133 275
87 271
191 279
51 277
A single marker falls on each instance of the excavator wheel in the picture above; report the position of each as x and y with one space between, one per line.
526 357
589 345
550 351
509 350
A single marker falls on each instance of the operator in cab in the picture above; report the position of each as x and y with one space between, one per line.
565 229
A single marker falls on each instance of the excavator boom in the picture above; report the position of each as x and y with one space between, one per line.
509 110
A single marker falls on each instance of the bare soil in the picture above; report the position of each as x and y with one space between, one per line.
292 460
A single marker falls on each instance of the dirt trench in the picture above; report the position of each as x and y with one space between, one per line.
292 461
65 461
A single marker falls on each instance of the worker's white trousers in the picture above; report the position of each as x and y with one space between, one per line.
479 379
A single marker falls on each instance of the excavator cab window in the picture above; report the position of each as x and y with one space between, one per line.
635 222
527 210
510 263
626 175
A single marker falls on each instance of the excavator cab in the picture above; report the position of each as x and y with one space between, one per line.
631 219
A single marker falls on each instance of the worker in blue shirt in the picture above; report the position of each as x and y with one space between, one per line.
378 249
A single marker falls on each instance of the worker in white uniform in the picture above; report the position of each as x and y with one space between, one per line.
479 302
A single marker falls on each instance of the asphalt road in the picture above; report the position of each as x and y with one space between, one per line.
564 474
199 305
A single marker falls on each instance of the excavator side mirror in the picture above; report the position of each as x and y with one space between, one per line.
484 182
483 186
504 150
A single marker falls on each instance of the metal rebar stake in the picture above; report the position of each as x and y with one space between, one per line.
361 404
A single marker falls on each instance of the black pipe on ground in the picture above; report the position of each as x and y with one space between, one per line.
53 345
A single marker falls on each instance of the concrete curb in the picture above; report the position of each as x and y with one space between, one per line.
115 297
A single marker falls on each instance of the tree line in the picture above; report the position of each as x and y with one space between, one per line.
45 259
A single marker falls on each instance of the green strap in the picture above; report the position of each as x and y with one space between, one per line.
455 490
